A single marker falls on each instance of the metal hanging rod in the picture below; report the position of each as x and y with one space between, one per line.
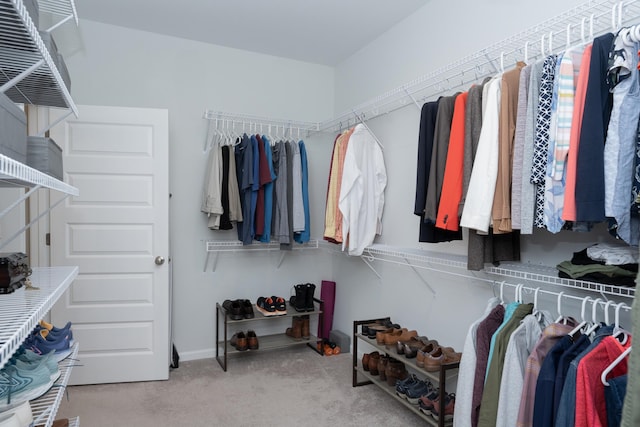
590 19
259 121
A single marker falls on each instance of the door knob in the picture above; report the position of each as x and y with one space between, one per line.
159 260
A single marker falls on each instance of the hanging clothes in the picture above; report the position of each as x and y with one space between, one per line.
428 231
589 388
490 396
362 191
451 194
268 192
439 156
211 203
244 165
567 72
225 219
619 149
485 331
543 126
550 336
518 147
501 209
280 225
528 196
304 235
333 216
521 344
482 185
589 192
569 208
631 409
289 176
264 174
467 370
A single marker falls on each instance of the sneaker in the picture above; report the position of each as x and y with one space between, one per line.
18 385
402 385
48 361
21 413
421 388
281 305
266 306
449 406
40 344
233 309
247 309
428 402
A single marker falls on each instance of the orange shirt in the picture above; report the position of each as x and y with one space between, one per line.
569 209
447 217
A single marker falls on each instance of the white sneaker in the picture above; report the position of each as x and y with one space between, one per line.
22 413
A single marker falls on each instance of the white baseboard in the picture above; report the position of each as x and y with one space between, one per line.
197 354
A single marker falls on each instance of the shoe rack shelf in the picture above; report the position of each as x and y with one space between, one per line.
266 342
46 407
439 377
21 310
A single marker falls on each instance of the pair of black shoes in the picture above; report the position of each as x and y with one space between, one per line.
239 309
302 301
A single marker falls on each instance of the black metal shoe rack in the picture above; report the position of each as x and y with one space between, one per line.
436 377
267 342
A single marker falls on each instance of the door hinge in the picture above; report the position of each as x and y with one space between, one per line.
47 239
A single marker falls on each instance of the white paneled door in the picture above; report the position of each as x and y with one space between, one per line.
117 232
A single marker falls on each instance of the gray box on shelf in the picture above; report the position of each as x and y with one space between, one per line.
341 339
13 130
44 155
34 12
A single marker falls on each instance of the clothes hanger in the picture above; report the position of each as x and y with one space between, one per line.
560 318
594 318
536 312
502 292
606 312
613 364
617 330
582 316
542 51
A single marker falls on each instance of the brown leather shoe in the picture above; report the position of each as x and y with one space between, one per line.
450 356
382 366
365 362
411 347
239 341
391 338
428 348
252 340
305 328
433 361
381 333
295 331
374 358
403 337
395 371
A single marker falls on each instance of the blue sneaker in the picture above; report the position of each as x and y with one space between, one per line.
421 388
48 361
39 344
18 385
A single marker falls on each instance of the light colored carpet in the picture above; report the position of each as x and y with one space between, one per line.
292 387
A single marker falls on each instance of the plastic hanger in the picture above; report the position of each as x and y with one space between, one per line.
594 319
582 316
542 51
606 312
613 364
617 330
502 292
536 311
560 318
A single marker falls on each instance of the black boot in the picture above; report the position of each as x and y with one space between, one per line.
299 300
311 288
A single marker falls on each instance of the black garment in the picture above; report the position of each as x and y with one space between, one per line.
492 248
244 172
428 231
598 103
225 222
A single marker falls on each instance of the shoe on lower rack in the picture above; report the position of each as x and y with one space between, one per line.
41 343
20 416
447 412
402 385
18 385
419 389
428 402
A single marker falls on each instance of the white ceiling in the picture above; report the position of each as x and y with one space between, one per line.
319 31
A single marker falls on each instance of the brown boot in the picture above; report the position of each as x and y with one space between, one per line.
374 358
295 331
305 327
395 371
252 340
365 362
382 366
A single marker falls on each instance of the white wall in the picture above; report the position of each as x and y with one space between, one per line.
120 67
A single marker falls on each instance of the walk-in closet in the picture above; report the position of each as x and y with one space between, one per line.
288 213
